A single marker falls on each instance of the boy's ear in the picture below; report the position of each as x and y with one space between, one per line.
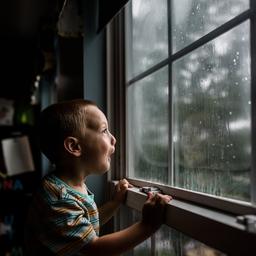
72 146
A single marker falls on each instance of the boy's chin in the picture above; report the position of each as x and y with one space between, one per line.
101 172
104 169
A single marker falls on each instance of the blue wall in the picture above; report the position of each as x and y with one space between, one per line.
94 80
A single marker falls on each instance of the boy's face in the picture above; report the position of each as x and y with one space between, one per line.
97 143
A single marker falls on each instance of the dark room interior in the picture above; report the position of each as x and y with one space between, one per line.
176 81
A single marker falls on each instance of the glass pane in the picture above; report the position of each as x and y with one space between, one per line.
211 117
192 19
146 35
169 242
128 217
148 127
166 241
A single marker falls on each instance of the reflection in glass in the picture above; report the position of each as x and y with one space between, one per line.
192 19
148 127
146 34
211 117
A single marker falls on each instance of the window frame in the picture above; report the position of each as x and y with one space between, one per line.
116 111
216 229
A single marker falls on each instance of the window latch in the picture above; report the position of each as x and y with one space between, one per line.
249 221
153 190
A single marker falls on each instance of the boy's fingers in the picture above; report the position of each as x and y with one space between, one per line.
166 198
124 187
154 199
150 197
158 199
125 183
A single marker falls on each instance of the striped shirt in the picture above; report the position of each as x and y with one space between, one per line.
61 220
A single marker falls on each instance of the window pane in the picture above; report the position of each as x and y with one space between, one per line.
146 33
148 127
192 19
166 241
171 242
129 216
211 117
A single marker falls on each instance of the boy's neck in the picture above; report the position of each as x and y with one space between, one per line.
74 179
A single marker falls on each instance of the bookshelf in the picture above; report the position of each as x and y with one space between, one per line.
16 190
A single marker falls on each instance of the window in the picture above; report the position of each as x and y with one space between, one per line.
194 19
148 127
189 110
211 116
167 241
183 75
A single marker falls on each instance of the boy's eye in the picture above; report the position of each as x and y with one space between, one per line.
105 130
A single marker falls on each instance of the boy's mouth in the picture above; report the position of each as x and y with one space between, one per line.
112 151
110 154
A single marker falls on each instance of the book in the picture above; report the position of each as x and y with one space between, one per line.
17 155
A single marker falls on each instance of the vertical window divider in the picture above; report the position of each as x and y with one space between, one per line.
253 100
170 108
127 19
153 245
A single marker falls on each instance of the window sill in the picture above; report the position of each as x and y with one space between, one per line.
214 228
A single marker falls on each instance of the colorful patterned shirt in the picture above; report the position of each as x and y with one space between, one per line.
61 220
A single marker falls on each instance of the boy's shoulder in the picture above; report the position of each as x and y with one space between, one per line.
55 190
51 189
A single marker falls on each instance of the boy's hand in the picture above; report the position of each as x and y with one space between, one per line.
153 211
121 189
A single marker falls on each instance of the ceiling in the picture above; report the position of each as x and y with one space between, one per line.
26 29
24 17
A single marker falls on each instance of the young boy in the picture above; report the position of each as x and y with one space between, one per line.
63 218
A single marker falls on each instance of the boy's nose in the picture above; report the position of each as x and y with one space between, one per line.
113 140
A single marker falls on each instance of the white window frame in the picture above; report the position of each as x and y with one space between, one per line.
207 218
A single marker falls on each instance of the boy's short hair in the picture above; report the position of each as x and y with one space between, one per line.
58 121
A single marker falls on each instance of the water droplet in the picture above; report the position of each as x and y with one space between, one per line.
230 113
227 145
237 53
236 83
231 145
223 94
249 102
245 78
234 157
